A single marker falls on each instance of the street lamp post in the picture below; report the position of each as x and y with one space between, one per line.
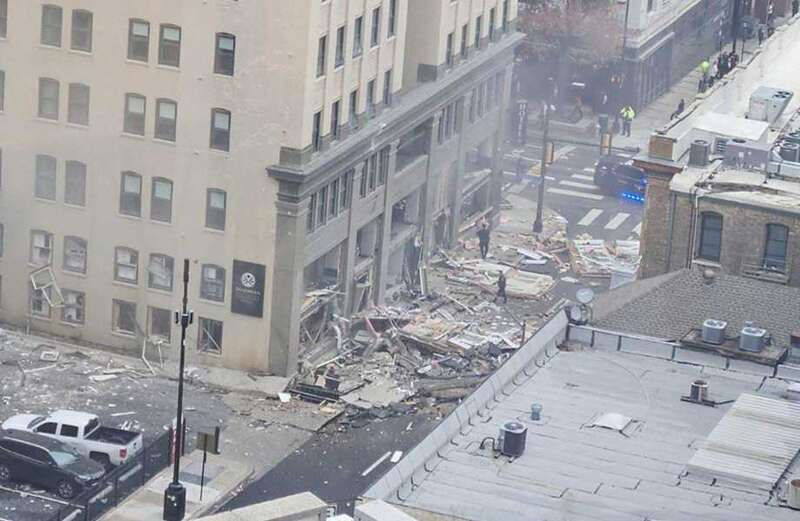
175 494
538 224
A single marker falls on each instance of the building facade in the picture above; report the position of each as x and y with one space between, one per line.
666 39
267 142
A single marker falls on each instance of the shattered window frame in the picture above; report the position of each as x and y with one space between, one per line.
209 336
74 308
46 244
123 310
39 302
75 250
212 288
160 272
131 263
158 318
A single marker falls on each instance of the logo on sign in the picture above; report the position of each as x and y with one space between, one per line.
248 280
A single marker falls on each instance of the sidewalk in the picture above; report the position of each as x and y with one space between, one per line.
222 476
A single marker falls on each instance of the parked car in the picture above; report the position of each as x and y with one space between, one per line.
616 175
39 460
82 431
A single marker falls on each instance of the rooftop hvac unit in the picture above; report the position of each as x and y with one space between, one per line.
793 137
742 153
512 439
720 145
699 152
790 151
767 104
752 339
714 331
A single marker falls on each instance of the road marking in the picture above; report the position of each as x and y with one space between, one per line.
514 156
550 178
638 229
573 184
590 217
375 465
583 177
589 170
572 193
618 219
561 152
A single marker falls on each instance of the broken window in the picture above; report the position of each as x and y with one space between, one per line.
159 323
212 284
41 248
74 308
130 197
75 254
123 316
40 298
75 183
209 337
126 265
44 286
160 270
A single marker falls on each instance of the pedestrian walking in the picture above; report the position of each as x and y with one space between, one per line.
483 237
760 34
679 110
501 288
627 114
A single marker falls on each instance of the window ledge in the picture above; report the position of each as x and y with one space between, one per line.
160 291
137 62
217 151
49 47
76 206
48 120
133 136
79 126
125 284
131 217
76 325
707 263
82 275
223 75
81 52
164 142
39 317
209 353
123 334
161 223
169 67
213 302
43 200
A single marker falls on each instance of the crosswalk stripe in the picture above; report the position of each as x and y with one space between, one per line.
590 217
618 219
589 170
638 229
583 177
572 193
573 184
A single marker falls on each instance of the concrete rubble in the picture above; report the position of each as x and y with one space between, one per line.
601 258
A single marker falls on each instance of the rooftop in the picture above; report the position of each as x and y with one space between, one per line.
671 305
573 471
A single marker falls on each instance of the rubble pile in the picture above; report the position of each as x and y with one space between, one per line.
599 258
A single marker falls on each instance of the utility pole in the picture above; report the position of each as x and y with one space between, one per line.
736 13
175 494
538 224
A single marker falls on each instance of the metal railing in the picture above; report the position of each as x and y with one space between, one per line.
120 483
766 268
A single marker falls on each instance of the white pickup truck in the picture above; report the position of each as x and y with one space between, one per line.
83 431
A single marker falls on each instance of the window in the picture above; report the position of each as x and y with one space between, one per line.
449 52
41 247
312 213
392 17
159 323
492 19
650 5
464 36
710 236
440 128
48 98
161 200
478 29
354 108
138 40
376 27
74 254
130 196
322 216
505 16
51 25
3 18
2 238
135 108
371 97
215 209
47 428
775 247
362 188
481 99
160 271
81 30
75 183
473 104
126 265
358 36
70 431
225 54
220 129
344 191
45 182
323 45
40 301
383 165
335 119
333 204
74 310
78 109
373 172
316 131
387 88
166 119
209 336
123 316
340 37
212 283
169 46
2 90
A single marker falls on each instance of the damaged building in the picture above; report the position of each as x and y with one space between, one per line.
306 157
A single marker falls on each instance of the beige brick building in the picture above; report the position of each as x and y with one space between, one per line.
275 144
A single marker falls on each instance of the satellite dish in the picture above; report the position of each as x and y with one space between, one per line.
584 295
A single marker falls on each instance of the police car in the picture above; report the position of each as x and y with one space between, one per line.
615 175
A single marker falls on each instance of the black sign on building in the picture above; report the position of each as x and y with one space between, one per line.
522 121
248 288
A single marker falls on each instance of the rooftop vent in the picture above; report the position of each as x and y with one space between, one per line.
752 339
714 331
790 151
512 439
793 494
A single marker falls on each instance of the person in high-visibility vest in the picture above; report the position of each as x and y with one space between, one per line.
627 113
